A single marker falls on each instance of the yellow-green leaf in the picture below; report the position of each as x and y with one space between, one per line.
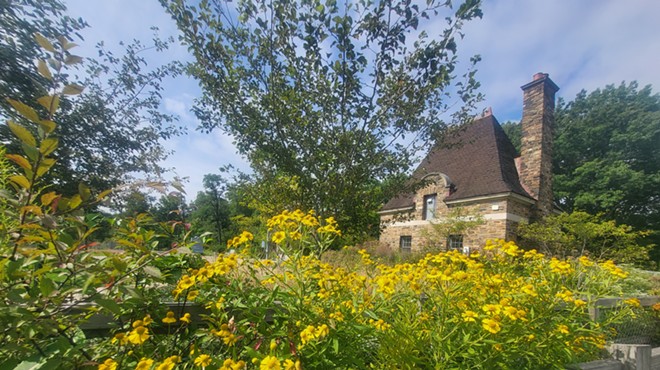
32 209
72 59
72 89
20 160
21 181
44 43
47 125
84 192
22 133
42 67
75 201
45 165
24 110
50 102
48 145
104 194
48 198
70 45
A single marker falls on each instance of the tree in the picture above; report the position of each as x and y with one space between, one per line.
211 210
605 156
114 128
581 234
339 96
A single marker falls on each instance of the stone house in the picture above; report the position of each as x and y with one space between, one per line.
479 172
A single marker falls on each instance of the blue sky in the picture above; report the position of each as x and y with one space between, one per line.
582 44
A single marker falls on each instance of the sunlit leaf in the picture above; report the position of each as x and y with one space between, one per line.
48 145
50 102
24 110
22 133
84 192
75 201
21 181
104 194
45 165
72 59
20 160
48 198
72 89
43 42
42 67
47 125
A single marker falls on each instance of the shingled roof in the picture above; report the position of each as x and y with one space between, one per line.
479 161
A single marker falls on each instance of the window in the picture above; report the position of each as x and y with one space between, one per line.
455 242
429 207
405 243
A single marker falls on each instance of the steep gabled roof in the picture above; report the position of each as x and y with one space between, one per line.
479 161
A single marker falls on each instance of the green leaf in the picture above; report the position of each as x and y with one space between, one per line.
24 110
43 42
29 365
50 102
42 67
31 151
46 286
72 89
22 133
84 192
109 305
48 198
48 145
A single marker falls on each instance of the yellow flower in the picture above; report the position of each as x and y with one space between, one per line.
147 320
270 363
119 337
144 364
186 318
469 316
139 335
278 237
579 303
563 329
491 325
108 364
492 309
203 360
633 302
273 345
192 295
186 282
169 363
290 365
169 319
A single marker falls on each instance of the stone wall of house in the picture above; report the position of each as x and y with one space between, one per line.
495 226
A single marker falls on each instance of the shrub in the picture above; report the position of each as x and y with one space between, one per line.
501 308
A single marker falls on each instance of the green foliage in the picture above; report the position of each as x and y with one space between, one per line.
53 274
581 234
338 97
605 157
457 222
112 130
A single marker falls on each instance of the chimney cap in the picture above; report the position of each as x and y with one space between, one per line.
541 78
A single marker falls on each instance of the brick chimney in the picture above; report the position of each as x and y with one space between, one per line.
536 144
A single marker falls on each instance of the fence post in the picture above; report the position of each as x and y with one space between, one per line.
643 357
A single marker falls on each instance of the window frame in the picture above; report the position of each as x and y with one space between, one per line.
407 241
426 212
455 242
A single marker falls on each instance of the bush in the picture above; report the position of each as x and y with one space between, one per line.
502 308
